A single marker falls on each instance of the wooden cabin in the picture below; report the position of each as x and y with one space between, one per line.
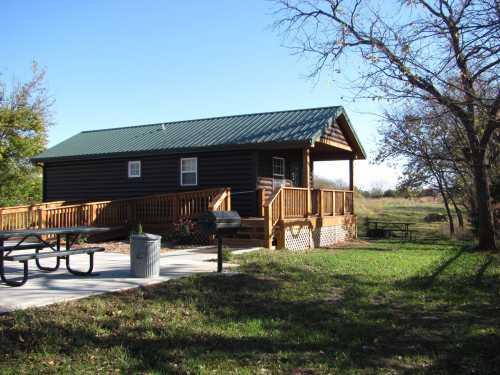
265 159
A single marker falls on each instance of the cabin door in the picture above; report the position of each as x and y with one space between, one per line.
295 174
278 173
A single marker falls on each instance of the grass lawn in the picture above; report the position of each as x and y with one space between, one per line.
406 210
382 307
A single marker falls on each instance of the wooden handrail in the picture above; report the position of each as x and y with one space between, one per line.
336 190
270 219
32 205
272 198
222 201
294 188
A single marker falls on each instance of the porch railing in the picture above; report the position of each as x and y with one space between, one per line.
294 202
331 202
155 209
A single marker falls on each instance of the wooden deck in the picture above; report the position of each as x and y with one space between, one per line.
288 211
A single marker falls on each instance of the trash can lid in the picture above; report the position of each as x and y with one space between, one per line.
148 236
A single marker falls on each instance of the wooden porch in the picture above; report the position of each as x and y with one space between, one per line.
307 207
293 205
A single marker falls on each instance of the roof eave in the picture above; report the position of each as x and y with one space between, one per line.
249 146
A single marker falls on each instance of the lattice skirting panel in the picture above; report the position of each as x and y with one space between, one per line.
328 236
299 237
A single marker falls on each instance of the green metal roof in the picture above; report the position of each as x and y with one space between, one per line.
294 126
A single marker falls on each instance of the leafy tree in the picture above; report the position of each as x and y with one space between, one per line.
24 119
437 51
390 193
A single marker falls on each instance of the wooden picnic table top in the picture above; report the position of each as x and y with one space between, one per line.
391 222
6 234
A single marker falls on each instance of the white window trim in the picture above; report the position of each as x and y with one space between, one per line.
195 171
132 162
284 167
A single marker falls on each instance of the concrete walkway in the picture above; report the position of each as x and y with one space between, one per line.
112 274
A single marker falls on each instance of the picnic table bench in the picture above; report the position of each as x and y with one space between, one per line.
45 248
384 229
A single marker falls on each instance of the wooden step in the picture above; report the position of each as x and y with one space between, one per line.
258 230
251 233
252 222
248 236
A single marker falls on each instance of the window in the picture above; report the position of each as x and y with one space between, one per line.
134 169
189 171
278 173
278 167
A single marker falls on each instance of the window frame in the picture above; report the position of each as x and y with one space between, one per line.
129 169
195 171
283 161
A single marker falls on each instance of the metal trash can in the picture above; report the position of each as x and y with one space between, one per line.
145 255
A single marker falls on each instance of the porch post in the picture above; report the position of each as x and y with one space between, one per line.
306 177
351 174
351 183
261 199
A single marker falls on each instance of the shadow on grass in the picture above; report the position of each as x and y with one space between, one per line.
306 319
391 244
427 281
479 278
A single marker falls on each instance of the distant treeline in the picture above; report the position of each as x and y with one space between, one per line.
377 191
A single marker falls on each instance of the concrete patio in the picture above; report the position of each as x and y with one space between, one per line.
112 273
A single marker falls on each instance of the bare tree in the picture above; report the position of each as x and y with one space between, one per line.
415 49
413 136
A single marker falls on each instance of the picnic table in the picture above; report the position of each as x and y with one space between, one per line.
381 229
47 245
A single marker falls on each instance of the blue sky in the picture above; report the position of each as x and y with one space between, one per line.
119 62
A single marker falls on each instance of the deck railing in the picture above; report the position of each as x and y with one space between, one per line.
155 209
26 216
331 202
295 202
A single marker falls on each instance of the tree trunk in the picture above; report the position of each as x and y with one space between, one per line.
486 229
450 216
446 205
458 212
460 217
439 181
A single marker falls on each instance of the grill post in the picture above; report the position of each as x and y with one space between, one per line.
219 253
220 223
